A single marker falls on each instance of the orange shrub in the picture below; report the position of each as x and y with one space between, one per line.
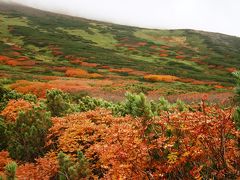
70 57
163 55
4 58
164 47
219 87
177 145
121 70
76 73
86 64
128 70
4 160
180 52
153 47
99 134
60 68
37 88
44 168
233 69
20 62
15 53
105 67
57 53
165 78
13 108
180 57
163 51
40 88
12 63
131 48
48 78
197 82
76 61
81 73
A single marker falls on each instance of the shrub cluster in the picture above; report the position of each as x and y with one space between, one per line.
64 137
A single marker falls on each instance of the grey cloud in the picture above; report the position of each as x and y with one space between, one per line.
209 15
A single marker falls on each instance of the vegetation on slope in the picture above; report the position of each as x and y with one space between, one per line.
91 138
43 47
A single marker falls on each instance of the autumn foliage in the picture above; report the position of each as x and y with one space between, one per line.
37 88
165 78
20 61
44 168
13 108
134 139
4 160
81 73
180 145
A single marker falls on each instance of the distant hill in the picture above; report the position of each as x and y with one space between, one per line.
36 45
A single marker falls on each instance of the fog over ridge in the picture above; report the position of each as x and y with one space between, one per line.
208 15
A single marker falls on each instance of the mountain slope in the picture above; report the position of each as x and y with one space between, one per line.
44 46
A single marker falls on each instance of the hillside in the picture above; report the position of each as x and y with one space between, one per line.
53 125
41 50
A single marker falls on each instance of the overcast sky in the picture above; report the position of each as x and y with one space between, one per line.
210 15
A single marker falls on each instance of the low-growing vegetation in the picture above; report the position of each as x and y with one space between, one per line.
66 137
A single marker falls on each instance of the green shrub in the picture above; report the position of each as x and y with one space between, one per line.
76 97
3 137
236 115
137 105
163 104
138 88
74 170
237 89
10 171
58 102
3 91
89 103
26 137
180 105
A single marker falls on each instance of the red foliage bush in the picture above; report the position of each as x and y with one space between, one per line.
43 168
4 160
13 108
15 53
4 59
163 55
165 78
176 145
180 57
197 82
153 47
128 70
131 48
37 88
233 69
86 64
165 47
21 61
81 73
